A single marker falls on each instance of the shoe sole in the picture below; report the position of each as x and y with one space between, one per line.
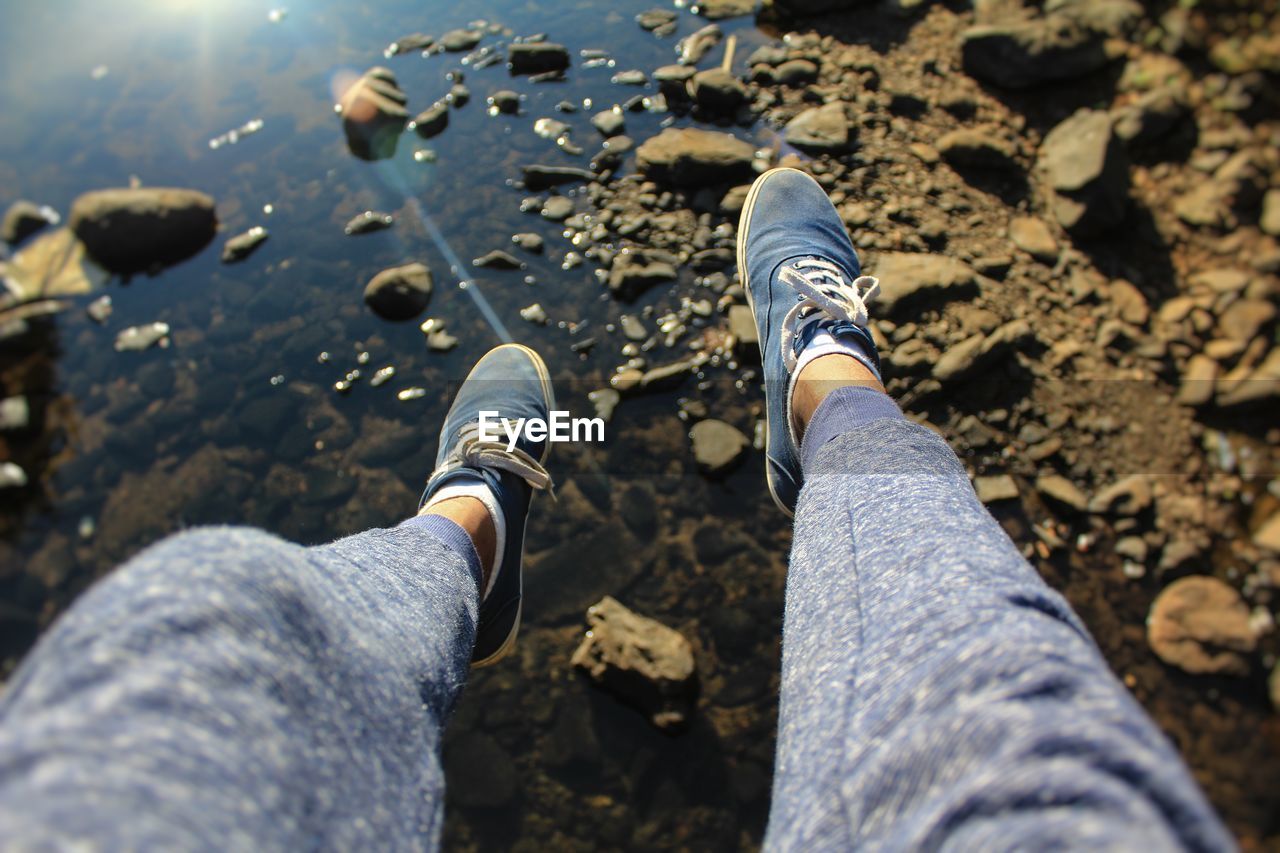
744 223
548 394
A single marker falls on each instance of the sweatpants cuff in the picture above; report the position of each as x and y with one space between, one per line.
452 536
842 410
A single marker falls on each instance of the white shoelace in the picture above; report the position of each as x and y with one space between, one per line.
472 452
827 295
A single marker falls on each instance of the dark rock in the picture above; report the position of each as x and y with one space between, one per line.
689 156
23 219
369 221
432 121
498 260
1027 53
820 130
373 114
133 230
458 96
718 91
643 662
537 58
717 446
1128 496
243 245
796 72
1151 116
456 41
635 271
639 510
505 101
609 122
1201 625
399 293
1087 172
543 177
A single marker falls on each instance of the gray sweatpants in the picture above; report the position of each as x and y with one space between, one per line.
229 690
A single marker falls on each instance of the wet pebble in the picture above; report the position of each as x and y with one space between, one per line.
557 208
438 339
534 314
498 259
99 310
382 375
633 77
529 242
243 245
654 19
12 476
369 221
609 122
504 101
456 41
604 401
408 44
633 327
142 337
432 121
400 293
458 95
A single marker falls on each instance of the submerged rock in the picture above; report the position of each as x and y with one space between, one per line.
609 122
373 114
399 293
504 101
1201 625
367 222
642 661
537 58
534 314
717 446
139 229
243 245
634 271
718 91
529 242
544 177
456 41
690 156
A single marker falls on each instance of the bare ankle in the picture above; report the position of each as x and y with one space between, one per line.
822 376
472 516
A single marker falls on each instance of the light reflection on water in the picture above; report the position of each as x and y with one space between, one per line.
92 99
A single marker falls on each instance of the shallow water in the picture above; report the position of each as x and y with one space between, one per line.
237 421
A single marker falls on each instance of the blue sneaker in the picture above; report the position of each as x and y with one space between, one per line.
802 277
513 381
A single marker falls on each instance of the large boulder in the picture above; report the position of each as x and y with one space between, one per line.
643 662
691 157
820 130
373 114
1087 174
139 229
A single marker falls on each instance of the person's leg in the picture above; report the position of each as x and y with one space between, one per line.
229 690
935 692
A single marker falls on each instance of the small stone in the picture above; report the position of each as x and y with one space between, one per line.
911 278
1268 533
652 19
626 379
673 80
456 41
1132 548
498 259
604 401
643 662
1245 318
534 314
373 114
633 328
609 122
716 10
505 101
136 338
698 44
976 148
742 325
796 73
23 219
458 96
690 156
408 44
15 413
529 242
12 476
633 272
99 310
996 488
368 222
820 130
1201 625
1062 491
557 208
1087 171
1270 221
399 293
432 121
1127 497
243 245
716 90
717 446
633 77
1032 235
